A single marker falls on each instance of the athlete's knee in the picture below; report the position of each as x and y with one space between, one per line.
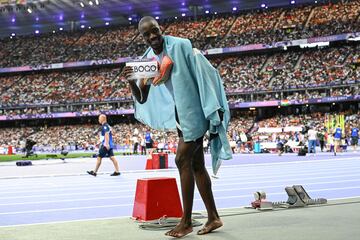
182 161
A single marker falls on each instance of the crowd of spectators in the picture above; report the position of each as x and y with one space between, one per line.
304 94
291 70
244 73
256 77
266 27
80 137
244 130
63 87
293 132
260 26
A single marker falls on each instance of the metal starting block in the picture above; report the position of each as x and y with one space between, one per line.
297 197
306 198
265 205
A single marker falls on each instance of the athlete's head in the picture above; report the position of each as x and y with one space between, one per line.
102 118
150 30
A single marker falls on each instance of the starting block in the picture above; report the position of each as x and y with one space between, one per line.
260 202
156 198
298 197
300 190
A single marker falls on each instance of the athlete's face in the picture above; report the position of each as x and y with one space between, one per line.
102 119
150 30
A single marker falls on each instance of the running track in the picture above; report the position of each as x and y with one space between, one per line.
34 200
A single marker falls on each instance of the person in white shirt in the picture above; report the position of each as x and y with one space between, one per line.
143 145
135 144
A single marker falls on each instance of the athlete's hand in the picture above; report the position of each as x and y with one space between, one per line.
127 72
107 146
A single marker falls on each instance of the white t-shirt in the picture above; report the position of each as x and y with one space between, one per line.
312 134
135 139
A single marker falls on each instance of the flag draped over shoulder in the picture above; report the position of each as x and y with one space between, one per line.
199 95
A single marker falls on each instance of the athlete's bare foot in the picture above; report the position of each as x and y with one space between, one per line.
180 230
210 226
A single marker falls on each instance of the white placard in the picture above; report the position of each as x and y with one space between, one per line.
144 69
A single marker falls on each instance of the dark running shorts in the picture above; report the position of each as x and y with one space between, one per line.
104 152
354 140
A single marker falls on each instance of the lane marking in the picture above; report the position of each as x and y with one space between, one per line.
132 196
122 217
48 186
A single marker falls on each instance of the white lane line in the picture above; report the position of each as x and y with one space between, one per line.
133 195
246 177
283 185
66 209
67 194
195 199
57 189
156 172
234 172
122 217
67 200
60 222
224 166
215 185
259 175
301 178
337 160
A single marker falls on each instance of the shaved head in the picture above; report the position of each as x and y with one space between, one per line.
150 30
102 119
147 20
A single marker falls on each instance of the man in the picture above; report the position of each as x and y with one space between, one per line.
354 136
312 135
143 145
106 147
280 146
337 138
321 137
148 140
135 141
189 96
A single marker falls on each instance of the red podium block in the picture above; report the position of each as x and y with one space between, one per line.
155 198
148 164
159 160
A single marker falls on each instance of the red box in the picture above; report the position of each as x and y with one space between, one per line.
159 160
155 198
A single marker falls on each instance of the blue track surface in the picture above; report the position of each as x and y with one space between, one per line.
67 198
